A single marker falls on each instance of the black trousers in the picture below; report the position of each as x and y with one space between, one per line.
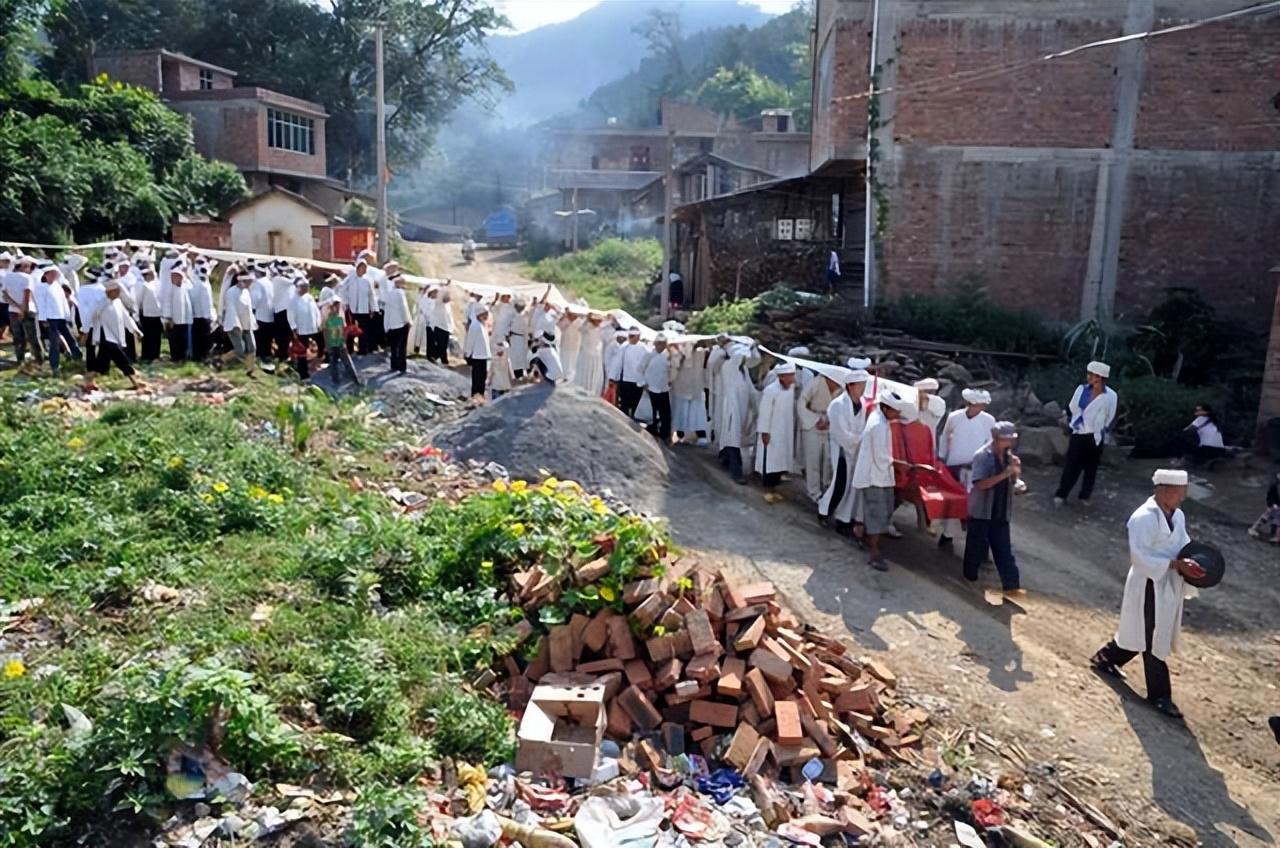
379 336
178 342
1155 669
1083 456
479 375
109 353
284 335
660 402
91 355
838 486
731 459
130 349
983 535
629 397
152 335
201 338
263 338
397 341
366 332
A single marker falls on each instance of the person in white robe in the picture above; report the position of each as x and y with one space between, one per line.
147 295
930 409
420 330
502 377
504 314
545 364
239 321
88 299
688 393
846 420
71 265
588 374
476 350
202 311
814 433
282 291
112 324
655 379
1154 591
519 337
441 327
715 361
395 321
571 340
873 474
359 295
965 432
305 322
776 427
735 427
176 310
627 373
55 311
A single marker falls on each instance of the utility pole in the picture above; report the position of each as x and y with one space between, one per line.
384 246
668 226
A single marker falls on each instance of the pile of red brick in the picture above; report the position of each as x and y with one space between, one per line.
704 661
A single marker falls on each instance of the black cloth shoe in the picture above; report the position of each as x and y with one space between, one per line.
1167 706
946 544
1102 665
1274 722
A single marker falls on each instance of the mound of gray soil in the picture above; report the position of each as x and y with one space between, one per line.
569 434
410 399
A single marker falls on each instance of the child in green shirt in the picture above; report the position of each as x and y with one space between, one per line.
335 343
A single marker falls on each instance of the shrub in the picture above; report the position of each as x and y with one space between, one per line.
387 817
731 316
470 727
610 275
965 316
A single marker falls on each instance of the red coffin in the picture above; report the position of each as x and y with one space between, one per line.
926 482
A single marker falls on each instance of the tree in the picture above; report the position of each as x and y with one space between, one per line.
112 160
18 20
741 92
321 52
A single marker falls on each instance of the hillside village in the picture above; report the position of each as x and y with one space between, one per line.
849 422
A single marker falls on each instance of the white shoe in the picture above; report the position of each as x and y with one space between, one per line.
894 532
702 443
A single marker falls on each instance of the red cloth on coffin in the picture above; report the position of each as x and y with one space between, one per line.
932 488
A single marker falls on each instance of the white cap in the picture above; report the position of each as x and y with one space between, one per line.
799 350
855 375
1102 369
660 337
634 331
1170 477
112 285
893 400
857 363
928 384
785 368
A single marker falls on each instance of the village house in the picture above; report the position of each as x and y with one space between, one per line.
276 141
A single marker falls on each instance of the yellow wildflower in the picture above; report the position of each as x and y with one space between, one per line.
174 463
607 594
275 498
257 492
517 529
519 486
207 498
550 482
598 507
499 485
75 443
221 487
14 669
486 565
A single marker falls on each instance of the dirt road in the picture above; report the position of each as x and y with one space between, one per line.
490 266
1020 672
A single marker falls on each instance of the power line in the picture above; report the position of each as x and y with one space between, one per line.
961 79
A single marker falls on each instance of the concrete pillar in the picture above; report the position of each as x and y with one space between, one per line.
1099 292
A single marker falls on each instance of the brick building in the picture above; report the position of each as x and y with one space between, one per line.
1077 187
275 140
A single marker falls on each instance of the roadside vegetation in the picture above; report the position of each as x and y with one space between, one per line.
209 576
612 274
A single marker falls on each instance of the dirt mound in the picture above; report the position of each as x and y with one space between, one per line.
410 399
569 434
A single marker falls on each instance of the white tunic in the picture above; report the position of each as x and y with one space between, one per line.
395 309
589 372
629 366
358 294
476 344
688 402
501 376
260 295
147 293
1152 545
550 359
175 303
777 420
90 297
441 315
848 419
963 436
736 401
421 323
1096 418
282 289
237 310
51 301
715 362
875 454
570 343
112 321
518 339
304 314
656 372
201 298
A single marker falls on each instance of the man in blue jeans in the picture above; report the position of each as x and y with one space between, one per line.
995 472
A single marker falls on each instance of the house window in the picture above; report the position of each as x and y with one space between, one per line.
206 79
784 123
286 131
785 229
640 158
804 229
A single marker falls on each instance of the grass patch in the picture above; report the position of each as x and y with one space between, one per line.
317 634
612 274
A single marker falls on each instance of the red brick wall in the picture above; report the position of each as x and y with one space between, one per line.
1064 103
1021 231
1214 227
215 235
840 125
139 70
1213 89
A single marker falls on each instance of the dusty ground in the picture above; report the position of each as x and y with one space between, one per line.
490 266
1020 672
